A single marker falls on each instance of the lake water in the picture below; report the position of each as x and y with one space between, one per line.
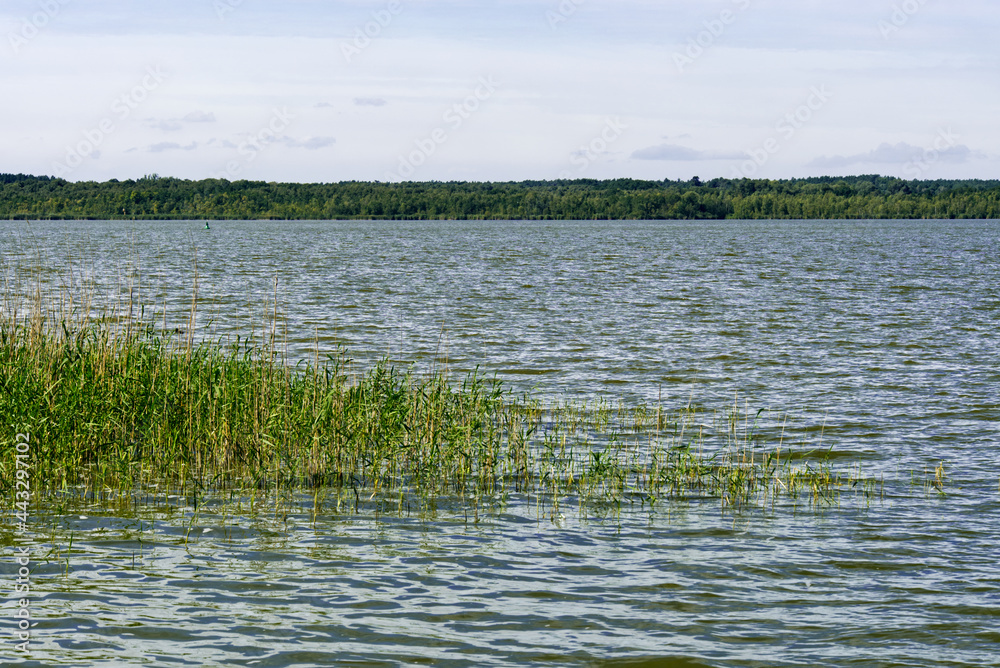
881 334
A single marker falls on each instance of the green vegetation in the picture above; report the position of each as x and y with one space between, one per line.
114 406
29 197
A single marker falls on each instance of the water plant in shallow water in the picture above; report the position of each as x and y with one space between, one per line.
115 408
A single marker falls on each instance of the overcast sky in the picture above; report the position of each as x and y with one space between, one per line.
315 91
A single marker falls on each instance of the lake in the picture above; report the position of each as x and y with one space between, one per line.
878 339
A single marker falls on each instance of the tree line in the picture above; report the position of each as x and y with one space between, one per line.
152 197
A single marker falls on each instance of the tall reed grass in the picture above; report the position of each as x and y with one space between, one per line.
115 402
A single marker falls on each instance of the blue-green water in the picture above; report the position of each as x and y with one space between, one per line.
881 334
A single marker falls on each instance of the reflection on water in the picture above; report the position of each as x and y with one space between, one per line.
879 335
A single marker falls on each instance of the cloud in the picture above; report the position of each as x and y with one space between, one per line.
897 154
175 124
584 152
370 102
171 146
165 126
675 153
311 144
199 117
322 105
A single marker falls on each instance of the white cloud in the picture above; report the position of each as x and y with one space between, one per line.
165 125
898 154
175 124
171 146
199 117
673 152
311 144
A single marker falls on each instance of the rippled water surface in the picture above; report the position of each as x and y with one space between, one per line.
882 334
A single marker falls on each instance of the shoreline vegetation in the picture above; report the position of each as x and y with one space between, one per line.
117 405
25 197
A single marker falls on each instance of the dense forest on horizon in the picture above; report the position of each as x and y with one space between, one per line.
153 197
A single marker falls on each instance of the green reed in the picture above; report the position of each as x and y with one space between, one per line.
115 404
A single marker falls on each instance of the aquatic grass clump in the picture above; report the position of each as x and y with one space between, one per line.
111 409
116 404
606 454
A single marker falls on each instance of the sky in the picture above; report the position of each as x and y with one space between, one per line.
499 90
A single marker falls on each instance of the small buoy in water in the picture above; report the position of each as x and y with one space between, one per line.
206 225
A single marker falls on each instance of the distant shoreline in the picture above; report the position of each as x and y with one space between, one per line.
25 197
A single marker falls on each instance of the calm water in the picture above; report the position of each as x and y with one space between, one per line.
885 332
